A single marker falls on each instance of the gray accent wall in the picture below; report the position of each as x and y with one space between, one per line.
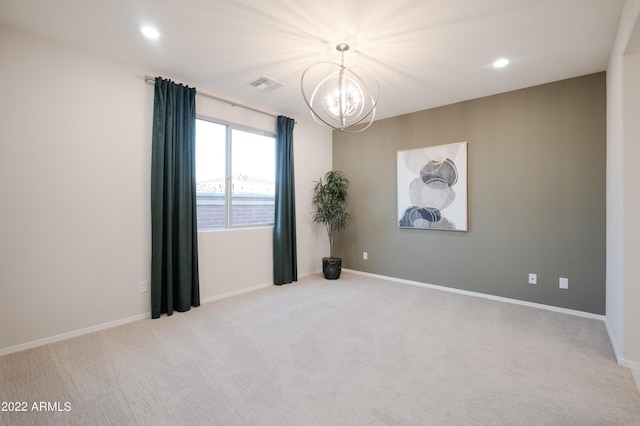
536 195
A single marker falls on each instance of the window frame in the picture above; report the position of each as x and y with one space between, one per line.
228 173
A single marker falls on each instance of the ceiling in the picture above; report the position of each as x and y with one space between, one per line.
425 53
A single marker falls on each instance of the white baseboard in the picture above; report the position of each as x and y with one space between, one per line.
71 334
236 292
483 296
252 288
630 364
64 336
308 274
616 350
635 372
116 323
111 324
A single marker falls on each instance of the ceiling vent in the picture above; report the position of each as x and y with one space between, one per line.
266 83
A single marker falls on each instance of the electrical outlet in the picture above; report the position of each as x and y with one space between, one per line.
564 283
533 279
365 255
144 286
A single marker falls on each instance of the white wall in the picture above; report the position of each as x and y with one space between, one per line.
75 148
224 254
632 208
313 158
623 233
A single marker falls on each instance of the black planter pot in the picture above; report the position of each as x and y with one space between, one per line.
331 267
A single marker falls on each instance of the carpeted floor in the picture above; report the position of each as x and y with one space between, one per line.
357 351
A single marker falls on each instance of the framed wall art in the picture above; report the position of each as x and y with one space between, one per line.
432 187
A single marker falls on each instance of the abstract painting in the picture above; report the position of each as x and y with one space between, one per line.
432 187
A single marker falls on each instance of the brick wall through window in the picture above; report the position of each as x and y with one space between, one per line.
246 210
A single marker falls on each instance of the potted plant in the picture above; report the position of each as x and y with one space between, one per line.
330 209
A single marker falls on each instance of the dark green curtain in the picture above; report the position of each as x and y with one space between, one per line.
174 237
285 261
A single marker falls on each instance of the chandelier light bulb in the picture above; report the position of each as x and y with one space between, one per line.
342 99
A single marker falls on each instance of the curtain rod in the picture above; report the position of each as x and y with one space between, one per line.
151 80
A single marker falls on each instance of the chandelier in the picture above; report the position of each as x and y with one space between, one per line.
339 97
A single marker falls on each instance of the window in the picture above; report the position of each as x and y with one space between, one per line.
235 176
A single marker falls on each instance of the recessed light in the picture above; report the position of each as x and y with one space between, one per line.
150 32
500 63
